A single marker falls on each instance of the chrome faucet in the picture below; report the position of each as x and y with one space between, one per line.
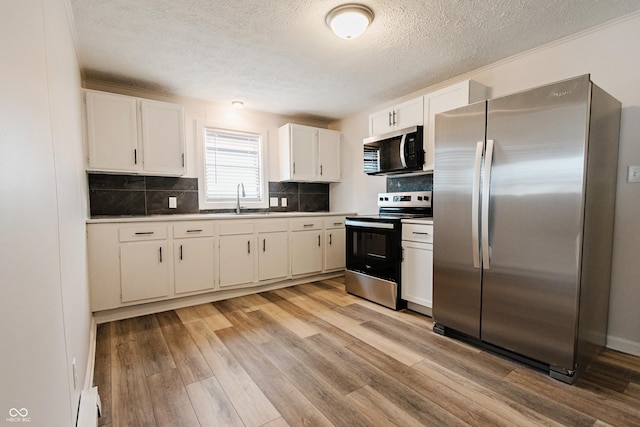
238 197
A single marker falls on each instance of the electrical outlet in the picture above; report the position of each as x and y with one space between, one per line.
633 174
173 202
75 374
273 202
283 202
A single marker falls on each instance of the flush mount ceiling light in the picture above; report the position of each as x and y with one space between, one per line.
350 20
237 105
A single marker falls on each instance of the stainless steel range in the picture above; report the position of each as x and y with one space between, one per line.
374 244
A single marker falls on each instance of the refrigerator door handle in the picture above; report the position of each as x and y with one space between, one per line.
475 206
486 183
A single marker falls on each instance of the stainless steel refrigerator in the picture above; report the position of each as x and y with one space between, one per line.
523 205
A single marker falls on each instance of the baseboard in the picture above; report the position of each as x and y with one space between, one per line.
623 345
91 359
218 295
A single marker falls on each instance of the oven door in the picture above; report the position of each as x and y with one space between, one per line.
373 248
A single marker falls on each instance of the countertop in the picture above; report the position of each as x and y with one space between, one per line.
210 216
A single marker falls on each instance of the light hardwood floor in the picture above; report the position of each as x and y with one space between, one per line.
313 355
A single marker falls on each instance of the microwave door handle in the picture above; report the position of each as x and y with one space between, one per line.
402 153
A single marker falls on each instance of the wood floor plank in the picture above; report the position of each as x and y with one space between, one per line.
600 407
211 404
102 371
128 381
170 401
379 409
252 405
187 357
294 407
315 355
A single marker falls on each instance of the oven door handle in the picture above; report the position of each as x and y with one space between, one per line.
367 224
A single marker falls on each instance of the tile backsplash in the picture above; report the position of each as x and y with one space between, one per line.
410 183
135 195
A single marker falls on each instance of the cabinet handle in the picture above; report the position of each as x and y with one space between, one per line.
264 245
335 224
318 240
160 253
180 252
194 231
390 124
307 225
330 239
144 233
135 156
320 169
394 117
421 233
182 159
249 246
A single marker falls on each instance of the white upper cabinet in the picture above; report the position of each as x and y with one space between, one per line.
407 114
309 154
451 97
132 135
162 126
112 132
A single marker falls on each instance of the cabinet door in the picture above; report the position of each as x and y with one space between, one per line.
162 137
193 265
410 113
306 252
237 254
112 132
417 273
329 155
381 122
144 270
334 254
273 255
303 152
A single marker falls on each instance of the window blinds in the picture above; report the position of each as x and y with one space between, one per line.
230 159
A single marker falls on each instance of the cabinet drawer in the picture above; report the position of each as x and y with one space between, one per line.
142 232
334 222
228 228
417 232
272 225
193 229
300 224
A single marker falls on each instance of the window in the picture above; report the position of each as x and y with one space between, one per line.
228 158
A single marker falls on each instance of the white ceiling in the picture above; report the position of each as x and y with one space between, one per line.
279 56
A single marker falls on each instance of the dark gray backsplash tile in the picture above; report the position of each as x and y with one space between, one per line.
116 182
117 202
115 195
410 183
314 202
171 183
158 202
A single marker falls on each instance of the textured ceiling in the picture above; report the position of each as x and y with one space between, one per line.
279 56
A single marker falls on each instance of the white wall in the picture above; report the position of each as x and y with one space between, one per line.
44 311
609 54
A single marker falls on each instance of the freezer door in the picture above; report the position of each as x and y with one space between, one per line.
535 216
457 275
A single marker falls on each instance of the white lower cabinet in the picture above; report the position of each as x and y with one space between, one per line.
236 259
145 264
151 261
334 240
306 246
417 264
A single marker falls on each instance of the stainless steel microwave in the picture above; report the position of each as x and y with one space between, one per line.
396 152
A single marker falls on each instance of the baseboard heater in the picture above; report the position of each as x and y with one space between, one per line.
89 409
